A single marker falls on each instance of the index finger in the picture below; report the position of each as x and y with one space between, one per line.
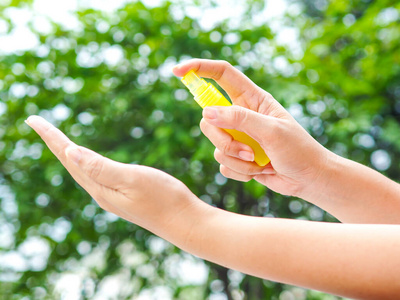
234 82
59 144
98 168
52 136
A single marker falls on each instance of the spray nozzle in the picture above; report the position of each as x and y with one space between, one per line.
194 83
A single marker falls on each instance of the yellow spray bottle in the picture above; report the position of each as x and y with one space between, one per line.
206 94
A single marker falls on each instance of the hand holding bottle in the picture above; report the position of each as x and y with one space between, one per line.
296 158
299 166
205 94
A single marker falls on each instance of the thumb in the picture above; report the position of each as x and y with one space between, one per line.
100 169
242 119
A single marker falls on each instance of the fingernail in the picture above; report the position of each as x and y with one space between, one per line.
74 155
210 113
176 66
268 171
28 120
246 155
31 120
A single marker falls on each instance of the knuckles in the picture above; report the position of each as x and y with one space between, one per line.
203 126
226 146
94 167
245 169
278 129
225 171
238 116
224 64
228 173
218 155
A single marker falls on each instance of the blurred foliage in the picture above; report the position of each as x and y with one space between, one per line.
108 85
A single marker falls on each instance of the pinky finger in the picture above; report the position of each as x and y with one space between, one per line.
229 173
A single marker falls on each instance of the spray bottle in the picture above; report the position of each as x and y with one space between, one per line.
205 94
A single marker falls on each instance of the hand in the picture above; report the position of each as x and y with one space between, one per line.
142 195
297 160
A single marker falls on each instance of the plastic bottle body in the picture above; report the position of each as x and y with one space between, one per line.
207 95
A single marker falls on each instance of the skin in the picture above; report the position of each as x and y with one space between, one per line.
352 260
299 166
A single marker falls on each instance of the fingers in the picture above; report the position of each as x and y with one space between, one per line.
63 148
240 170
228 173
108 198
240 166
234 82
224 141
52 136
256 125
100 169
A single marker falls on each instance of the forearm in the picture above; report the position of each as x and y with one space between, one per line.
358 261
355 193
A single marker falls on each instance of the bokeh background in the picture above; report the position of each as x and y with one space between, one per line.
101 72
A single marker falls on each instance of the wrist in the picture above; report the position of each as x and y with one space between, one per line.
181 219
327 168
